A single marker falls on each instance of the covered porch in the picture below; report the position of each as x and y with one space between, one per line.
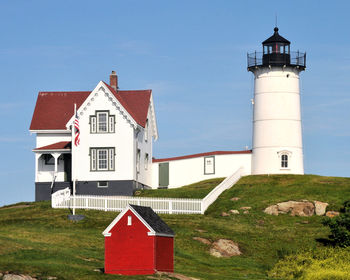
53 166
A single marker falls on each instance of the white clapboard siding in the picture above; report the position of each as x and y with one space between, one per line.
62 199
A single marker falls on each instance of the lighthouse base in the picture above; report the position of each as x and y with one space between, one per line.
281 160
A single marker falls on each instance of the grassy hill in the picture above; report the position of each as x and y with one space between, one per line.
40 241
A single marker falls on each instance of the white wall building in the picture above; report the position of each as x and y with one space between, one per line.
117 128
114 156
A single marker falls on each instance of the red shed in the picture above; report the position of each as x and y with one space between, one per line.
138 241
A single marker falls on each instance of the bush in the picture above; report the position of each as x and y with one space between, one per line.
340 227
320 264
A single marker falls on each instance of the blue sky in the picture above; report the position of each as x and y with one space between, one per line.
191 53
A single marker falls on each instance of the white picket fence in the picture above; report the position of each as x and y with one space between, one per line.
63 199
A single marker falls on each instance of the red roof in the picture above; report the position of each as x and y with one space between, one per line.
54 109
64 145
202 155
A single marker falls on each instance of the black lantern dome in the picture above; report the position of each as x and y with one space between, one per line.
276 52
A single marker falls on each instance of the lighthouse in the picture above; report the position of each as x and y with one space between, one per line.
277 132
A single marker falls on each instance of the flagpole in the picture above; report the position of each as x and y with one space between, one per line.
73 144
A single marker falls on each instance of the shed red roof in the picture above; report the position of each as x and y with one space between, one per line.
54 109
202 155
64 145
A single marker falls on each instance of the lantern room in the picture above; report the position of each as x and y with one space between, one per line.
276 50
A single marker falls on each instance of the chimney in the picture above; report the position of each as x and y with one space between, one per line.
113 80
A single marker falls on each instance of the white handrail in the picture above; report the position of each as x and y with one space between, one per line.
219 189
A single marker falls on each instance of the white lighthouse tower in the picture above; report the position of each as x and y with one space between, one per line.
277 133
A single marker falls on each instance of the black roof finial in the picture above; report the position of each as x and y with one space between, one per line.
275 29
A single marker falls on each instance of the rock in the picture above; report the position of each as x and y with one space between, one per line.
271 210
285 207
203 240
224 214
224 248
235 198
332 214
234 212
305 222
303 209
245 208
320 207
246 212
17 277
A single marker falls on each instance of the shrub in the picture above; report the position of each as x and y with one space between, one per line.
320 264
340 227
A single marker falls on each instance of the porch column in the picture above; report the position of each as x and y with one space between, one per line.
56 156
37 157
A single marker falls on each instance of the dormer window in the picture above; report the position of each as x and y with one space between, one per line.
102 122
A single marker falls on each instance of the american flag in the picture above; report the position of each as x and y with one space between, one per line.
77 130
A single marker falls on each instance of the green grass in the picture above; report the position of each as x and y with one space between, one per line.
40 241
196 190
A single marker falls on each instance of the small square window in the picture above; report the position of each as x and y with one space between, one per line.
102 184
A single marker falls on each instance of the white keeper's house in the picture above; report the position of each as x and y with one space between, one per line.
118 127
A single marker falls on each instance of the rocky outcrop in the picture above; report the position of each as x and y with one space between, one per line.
332 214
320 207
224 248
302 208
272 210
202 240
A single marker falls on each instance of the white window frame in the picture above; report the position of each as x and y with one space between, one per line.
102 184
96 162
283 161
129 221
101 160
99 123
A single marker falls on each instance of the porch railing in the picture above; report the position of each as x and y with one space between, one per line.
63 199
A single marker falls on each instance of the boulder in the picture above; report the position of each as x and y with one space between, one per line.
225 214
286 207
245 212
320 207
332 214
224 248
272 210
246 208
303 209
234 212
235 198
202 240
17 277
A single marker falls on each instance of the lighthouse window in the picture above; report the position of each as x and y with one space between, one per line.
284 161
